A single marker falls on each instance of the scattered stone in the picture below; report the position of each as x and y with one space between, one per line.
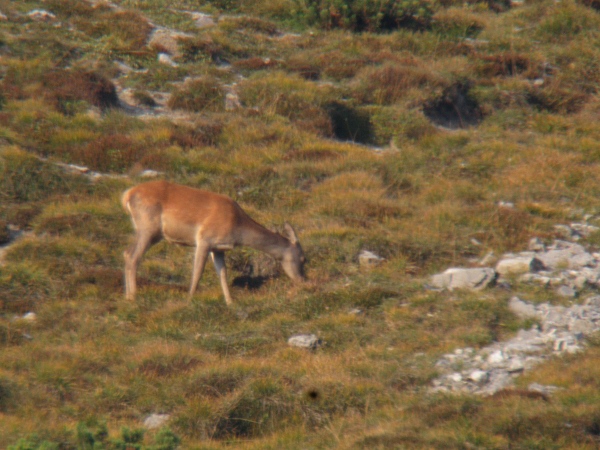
232 101
479 376
584 229
164 58
305 341
3 17
460 278
536 245
496 358
456 377
562 330
515 365
519 265
29 317
593 301
508 205
202 20
154 421
487 260
566 291
369 259
242 314
148 173
126 69
566 231
167 41
543 389
77 169
41 15
355 311
522 309
566 255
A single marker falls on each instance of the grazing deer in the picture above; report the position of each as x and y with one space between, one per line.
210 222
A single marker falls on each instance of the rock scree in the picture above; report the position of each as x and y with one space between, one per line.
566 267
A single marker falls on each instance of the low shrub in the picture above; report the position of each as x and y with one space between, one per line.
203 132
116 153
26 178
507 64
555 97
457 23
565 21
387 84
64 88
23 285
203 94
289 96
252 24
362 15
75 8
129 30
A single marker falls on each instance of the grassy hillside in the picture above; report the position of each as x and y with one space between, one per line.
398 130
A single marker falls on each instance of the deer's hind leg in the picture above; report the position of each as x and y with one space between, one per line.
133 255
148 233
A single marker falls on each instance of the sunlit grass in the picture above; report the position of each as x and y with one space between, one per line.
426 199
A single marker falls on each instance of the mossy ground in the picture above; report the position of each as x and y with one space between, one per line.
517 89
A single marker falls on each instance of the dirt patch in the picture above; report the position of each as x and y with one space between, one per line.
350 124
455 108
63 87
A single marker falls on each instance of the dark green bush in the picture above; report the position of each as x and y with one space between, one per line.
364 15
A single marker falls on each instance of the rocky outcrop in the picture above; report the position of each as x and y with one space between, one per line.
566 267
486 371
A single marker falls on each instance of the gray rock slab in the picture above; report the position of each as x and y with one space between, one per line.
461 278
310 341
369 259
518 265
521 308
154 421
168 40
536 245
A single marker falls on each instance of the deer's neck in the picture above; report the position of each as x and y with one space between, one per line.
259 238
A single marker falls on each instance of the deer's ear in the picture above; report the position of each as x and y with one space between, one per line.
290 233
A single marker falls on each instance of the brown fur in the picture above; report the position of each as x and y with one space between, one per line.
212 223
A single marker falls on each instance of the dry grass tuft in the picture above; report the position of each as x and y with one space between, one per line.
508 64
204 94
389 83
524 88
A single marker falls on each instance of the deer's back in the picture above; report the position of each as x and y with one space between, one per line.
184 212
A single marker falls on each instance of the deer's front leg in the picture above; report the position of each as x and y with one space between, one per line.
219 262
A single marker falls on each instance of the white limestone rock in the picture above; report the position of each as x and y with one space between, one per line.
310 341
461 278
518 265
